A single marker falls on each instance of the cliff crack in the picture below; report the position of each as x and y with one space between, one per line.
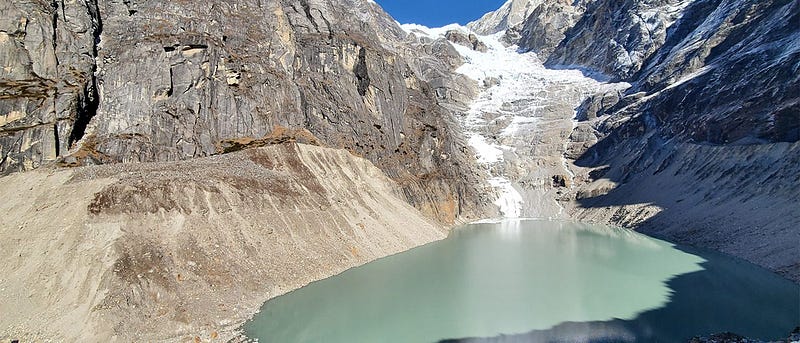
57 139
90 101
54 5
307 10
361 72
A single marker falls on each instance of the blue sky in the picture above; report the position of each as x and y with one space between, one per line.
436 13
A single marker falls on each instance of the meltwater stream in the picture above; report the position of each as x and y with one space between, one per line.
532 281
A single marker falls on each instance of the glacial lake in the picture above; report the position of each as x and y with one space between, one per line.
537 281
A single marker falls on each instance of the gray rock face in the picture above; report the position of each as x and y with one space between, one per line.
547 26
705 71
710 71
469 40
733 79
616 37
47 89
167 86
724 75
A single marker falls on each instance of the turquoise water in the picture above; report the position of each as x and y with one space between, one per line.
532 280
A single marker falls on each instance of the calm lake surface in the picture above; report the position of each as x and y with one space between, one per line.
534 281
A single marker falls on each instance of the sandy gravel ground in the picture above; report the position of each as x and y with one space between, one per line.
185 252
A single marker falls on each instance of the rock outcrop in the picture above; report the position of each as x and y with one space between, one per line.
176 250
616 37
469 40
138 81
551 20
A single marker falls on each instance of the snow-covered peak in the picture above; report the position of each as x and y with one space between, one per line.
512 13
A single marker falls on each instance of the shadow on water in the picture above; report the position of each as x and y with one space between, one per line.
729 295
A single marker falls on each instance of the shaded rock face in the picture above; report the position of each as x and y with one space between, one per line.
166 86
617 37
725 75
706 71
740 85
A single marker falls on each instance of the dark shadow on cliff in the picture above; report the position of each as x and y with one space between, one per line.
727 296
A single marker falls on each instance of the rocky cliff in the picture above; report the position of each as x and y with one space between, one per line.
135 81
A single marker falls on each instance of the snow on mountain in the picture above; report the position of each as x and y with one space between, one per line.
519 99
512 13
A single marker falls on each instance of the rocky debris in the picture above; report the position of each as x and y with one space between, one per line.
734 338
723 338
562 181
599 104
469 40
582 138
176 251
279 135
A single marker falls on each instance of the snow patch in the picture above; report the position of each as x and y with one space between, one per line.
433 33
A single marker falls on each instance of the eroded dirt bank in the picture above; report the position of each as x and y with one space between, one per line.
189 250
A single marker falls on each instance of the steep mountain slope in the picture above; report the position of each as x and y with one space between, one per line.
707 135
183 251
131 81
520 121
